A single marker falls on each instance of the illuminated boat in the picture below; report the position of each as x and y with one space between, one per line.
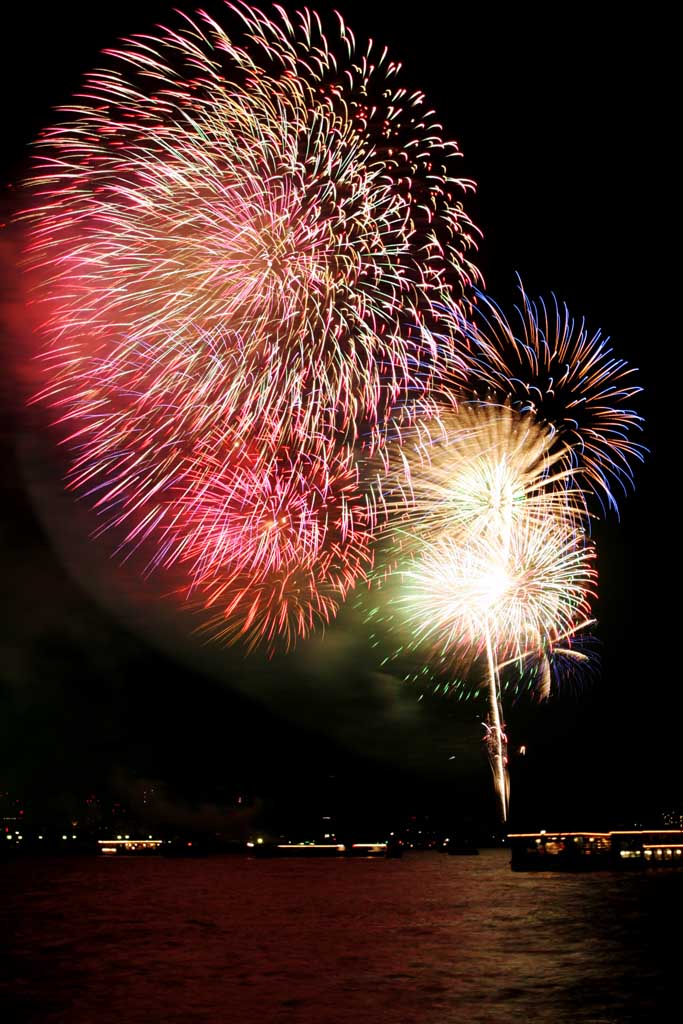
129 847
289 850
596 851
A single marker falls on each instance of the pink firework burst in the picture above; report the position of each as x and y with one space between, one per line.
240 243
273 541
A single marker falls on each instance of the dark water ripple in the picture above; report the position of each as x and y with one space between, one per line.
427 940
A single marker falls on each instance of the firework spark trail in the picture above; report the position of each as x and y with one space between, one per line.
549 365
241 242
570 660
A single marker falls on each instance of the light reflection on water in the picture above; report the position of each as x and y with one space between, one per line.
426 939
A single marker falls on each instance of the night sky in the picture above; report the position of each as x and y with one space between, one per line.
566 128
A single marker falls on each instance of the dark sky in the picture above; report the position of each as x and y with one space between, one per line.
566 125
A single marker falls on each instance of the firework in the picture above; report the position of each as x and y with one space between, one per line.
550 365
517 595
477 471
251 229
239 242
498 598
494 564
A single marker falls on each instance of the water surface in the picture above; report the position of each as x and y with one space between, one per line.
426 939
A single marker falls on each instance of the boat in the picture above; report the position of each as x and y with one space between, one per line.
129 847
331 849
596 851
